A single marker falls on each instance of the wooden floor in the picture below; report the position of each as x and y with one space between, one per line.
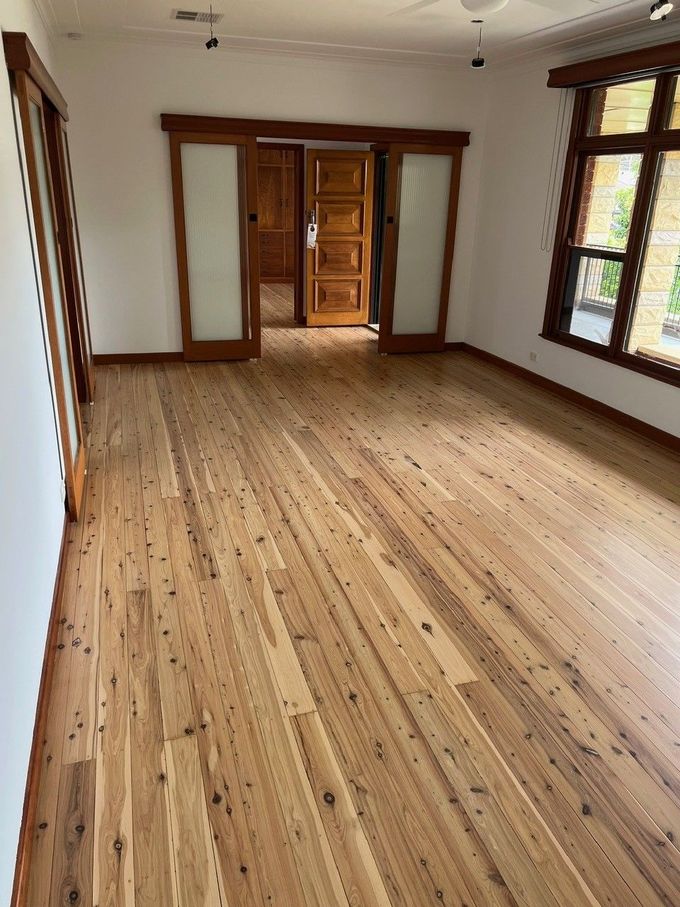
341 629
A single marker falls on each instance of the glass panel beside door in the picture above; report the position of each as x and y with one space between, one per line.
215 197
422 200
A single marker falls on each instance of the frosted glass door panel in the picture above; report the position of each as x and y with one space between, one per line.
55 277
422 221
212 217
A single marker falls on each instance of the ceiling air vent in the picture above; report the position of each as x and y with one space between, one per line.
187 15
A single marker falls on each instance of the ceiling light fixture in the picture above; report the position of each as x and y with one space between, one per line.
213 42
483 7
479 62
660 9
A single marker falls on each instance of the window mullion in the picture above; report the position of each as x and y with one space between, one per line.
662 103
634 250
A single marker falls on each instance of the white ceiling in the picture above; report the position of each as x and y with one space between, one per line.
401 28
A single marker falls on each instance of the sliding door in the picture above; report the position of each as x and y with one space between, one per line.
71 258
49 261
420 227
214 180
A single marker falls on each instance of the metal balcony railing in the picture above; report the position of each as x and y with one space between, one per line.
599 290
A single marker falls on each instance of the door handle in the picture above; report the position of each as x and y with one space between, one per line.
311 216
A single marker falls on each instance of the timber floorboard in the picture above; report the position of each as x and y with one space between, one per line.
341 629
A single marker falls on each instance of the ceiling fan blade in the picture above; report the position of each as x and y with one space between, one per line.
413 7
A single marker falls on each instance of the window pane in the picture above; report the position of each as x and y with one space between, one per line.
607 197
621 108
590 298
674 118
655 323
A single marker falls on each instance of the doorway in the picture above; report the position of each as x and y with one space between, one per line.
330 185
280 205
376 252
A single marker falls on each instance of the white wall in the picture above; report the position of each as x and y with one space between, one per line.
510 272
32 506
116 93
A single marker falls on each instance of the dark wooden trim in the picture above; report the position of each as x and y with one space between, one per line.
134 358
27 831
409 343
290 129
452 345
650 432
66 230
642 62
21 56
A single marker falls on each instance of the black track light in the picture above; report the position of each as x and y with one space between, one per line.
479 62
213 42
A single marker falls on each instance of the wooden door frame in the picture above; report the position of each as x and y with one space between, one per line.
298 149
74 461
430 140
415 343
69 243
206 350
333 132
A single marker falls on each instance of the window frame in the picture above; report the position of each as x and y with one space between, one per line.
651 144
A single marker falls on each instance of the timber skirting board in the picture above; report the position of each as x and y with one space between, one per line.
135 358
595 406
27 831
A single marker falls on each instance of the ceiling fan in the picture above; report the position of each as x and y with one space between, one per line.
484 7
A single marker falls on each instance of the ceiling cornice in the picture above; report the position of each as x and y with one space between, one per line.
525 52
284 49
607 41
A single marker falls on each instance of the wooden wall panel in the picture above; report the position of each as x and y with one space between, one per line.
276 204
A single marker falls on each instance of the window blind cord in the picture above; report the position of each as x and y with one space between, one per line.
557 161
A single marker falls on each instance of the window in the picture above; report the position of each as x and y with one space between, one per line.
615 281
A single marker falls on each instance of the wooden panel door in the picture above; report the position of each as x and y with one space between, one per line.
340 195
277 215
214 183
420 228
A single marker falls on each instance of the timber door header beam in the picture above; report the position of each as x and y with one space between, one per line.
289 129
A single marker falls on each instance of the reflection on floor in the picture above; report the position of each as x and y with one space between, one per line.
341 629
276 305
